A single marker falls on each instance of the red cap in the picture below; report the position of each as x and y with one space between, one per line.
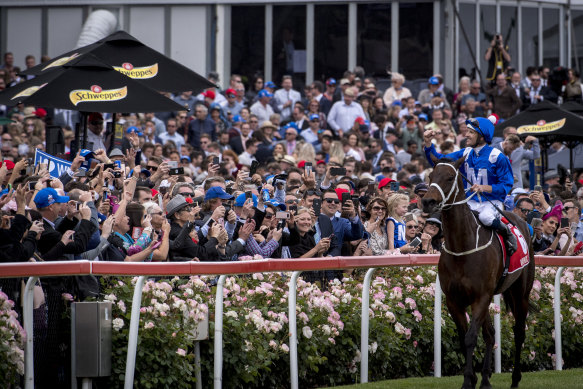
339 192
360 120
321 162
209 93
40 113
301 164
9 164
384 182
230 91
94 116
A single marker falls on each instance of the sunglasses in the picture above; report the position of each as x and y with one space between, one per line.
524 210
152 168
566 209
187 194
376 209
412 227
330 201
188 208
269 215
312 192
157 213
291 201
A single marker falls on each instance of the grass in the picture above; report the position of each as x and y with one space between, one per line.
549 379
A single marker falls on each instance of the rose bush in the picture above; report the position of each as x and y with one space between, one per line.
256 333
12 338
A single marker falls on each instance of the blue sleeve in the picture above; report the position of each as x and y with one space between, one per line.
505 178
431 151
352 231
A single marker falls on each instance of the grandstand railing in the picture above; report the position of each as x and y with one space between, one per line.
70 268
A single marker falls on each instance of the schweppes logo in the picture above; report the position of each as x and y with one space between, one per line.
542 126
96 93
28 91
127 69
61 61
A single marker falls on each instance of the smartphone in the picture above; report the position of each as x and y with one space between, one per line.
176 171
338 171
172 164
371 188
216 160
293 208
248 195
536 222
564 222
31 185
253 168
117 163
163 190
227 209
355 199
109 166
282 215
394 186
77 206
345 197
156 245
538 188
317 206
308 168
136 232
415 242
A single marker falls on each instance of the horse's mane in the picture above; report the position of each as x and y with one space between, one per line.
446 160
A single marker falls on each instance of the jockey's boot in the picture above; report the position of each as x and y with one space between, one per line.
509 238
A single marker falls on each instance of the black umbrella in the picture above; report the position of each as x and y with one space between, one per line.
87 84
573 107
548 122
136 60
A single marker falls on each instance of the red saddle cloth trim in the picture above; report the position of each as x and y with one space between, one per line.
520 258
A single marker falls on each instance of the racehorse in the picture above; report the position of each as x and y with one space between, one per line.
470 267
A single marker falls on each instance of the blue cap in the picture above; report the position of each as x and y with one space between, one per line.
274 202
185 157
240 201
423 116
144 171
291 125
397 102
433 81
216 192
270 84
264 93
483 127
314 116
331 81
239 119
48 196
134 129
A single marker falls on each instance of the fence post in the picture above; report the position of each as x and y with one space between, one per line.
218 362
497 338
293 330
364 327
28 327
197 367
557 309
437 330
133 335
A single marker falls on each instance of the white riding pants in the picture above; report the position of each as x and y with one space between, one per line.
487 212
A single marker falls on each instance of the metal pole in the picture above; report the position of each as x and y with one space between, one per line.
28 327
87 383
133 335
218 373
557 307
497 328
437 330
293 331
364 328
73 347
197 369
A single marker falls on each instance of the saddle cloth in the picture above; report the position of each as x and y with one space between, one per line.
520 258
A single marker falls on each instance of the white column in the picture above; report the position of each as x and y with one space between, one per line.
352 24
540 34
437 36
499 19
395 36
519 42
456 48
569 37
562 27
310 41
268 42
478 53
223 55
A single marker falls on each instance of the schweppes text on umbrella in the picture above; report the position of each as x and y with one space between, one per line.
541 126
96 93
144 72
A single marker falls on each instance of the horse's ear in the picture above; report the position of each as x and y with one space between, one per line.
434 159
459 162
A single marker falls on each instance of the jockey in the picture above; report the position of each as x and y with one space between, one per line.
488 170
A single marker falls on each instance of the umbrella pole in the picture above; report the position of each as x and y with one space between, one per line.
84 121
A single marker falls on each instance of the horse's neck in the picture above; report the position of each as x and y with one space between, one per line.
460 226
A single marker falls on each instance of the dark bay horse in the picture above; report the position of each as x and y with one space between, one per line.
470 267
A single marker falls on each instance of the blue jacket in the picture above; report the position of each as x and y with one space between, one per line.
345 230
491 167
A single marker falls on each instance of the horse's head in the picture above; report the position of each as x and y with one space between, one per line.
443 182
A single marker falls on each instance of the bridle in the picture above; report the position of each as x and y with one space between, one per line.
453 191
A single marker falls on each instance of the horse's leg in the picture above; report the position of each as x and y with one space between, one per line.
518 302
458 314
488 334
479 313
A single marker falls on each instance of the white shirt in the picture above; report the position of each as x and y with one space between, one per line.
281 97
246 159
342 116
262 112
176 138
97 141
